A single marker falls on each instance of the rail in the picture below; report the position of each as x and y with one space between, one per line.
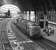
53 23
4 47
46 44
4 41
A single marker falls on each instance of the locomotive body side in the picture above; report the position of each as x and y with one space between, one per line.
31 29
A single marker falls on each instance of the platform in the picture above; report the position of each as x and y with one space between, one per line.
52 37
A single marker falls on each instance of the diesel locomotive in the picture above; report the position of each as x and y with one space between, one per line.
29 28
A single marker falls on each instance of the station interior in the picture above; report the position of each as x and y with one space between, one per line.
27 24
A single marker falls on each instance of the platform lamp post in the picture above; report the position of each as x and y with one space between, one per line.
36 17
28 18
44 21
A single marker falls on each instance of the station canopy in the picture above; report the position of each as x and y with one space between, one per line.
13 9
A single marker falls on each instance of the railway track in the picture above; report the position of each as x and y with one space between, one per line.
45 43
4 42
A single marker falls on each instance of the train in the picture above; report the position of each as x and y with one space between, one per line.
29 28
